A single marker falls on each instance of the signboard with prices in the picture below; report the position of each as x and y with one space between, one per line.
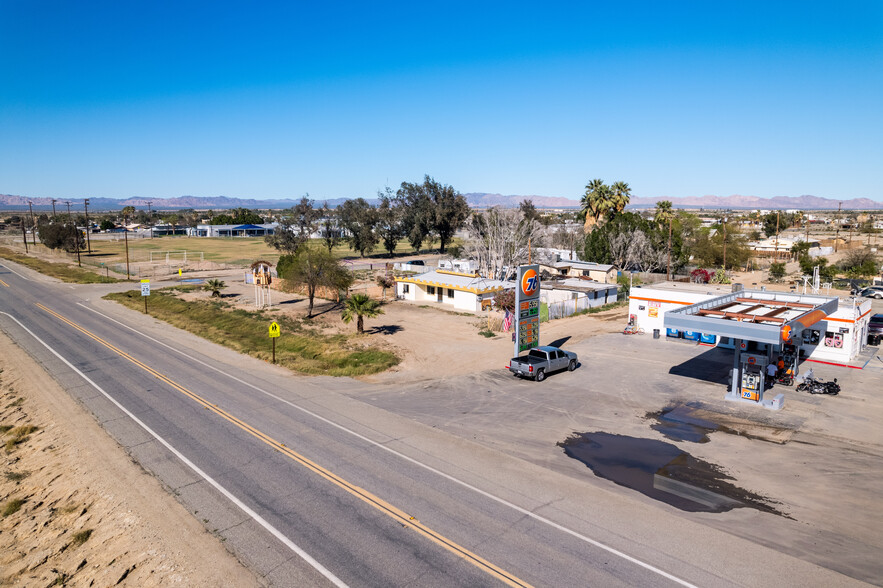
527 308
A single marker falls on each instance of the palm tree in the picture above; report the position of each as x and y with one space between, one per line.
620 193
215 286
665 215
360 306
595 203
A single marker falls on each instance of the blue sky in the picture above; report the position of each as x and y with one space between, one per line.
274 100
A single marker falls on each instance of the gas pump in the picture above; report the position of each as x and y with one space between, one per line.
753 380
790 355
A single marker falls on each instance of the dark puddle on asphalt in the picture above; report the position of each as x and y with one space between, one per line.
661 471
678 424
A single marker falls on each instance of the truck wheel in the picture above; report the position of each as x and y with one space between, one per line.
541 375
572 365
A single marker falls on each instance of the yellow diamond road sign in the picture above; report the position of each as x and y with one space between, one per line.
274 330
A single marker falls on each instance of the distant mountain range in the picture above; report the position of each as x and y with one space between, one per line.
483 200
475 199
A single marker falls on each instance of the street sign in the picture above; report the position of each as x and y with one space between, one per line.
275 331
527 308
145 287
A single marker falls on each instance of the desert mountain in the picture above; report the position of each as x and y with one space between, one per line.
475 199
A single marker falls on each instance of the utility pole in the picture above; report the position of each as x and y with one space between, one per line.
24 235
725 243
33 223
150 217
837 233
88 240
776 254
76 232
668 270
126 234
53 209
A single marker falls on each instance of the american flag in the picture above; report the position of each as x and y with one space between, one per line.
507 321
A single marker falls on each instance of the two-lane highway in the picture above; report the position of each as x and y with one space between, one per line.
350 496
340 506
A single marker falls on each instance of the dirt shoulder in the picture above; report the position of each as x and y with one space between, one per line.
88 515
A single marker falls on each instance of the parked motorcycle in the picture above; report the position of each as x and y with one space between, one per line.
814 386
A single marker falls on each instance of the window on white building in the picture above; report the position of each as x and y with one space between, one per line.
450 293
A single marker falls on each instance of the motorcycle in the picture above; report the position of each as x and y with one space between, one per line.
814 386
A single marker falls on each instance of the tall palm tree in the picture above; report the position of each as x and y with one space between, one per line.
359 306
665 215
595 203
620 194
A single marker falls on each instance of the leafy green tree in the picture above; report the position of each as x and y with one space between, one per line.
595 203
359 306
314 268
708 250
385 282
777 270
529 210
215 286
628 241
331 234
64 236
295 227
664 218
859 263
389 221
106 225
222 219
430 208
601 200
620 194
359 219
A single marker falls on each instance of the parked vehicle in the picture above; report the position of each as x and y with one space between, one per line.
872 292
542 361
816 386
875 329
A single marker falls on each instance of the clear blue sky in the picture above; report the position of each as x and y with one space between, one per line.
273 100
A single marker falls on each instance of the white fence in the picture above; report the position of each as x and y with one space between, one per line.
565 308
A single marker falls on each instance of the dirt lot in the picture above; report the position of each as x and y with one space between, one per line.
432 341
87 515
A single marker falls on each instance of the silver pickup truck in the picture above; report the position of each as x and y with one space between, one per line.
541 361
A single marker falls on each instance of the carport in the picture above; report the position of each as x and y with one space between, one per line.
774 318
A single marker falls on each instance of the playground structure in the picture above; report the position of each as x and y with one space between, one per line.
261 278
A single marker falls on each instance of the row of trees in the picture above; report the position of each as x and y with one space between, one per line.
420 213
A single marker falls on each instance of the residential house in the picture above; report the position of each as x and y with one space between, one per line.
460 290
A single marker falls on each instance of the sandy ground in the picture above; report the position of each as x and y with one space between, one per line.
73 478
433 341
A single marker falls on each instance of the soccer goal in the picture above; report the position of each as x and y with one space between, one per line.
182 255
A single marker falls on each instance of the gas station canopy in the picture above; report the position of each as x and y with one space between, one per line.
753 315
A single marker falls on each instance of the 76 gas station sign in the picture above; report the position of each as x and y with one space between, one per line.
527 304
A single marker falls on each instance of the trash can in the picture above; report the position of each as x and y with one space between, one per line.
656 333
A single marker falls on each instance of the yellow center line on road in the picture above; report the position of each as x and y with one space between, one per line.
4 283
388 509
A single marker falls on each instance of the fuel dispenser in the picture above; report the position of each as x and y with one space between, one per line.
753 377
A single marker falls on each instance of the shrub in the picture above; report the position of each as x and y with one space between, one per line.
777 271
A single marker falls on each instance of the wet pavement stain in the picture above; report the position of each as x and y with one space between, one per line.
662 471
687 422
678 424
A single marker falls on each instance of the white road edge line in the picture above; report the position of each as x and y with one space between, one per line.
255 516
449 477
15 272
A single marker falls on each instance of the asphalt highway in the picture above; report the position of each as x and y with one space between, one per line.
309 488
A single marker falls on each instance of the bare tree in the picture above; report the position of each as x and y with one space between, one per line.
634 249
499 238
